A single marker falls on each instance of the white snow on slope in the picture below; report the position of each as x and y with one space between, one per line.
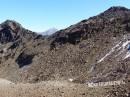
121 47
125 44
110 52
127 55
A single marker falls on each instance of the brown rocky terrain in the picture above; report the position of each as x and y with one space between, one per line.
60 89
93 50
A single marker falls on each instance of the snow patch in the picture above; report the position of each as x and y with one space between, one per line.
110 52
122 46
104 57
125 44
127 55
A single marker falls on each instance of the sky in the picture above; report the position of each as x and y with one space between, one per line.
40 15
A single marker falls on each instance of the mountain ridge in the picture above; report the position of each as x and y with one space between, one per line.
71 53
70 62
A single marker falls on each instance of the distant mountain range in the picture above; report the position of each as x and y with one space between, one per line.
49 31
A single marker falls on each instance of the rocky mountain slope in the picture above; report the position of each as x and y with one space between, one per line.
93 50
99 45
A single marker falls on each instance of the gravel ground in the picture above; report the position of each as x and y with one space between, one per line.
48 89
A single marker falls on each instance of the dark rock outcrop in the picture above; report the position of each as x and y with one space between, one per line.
24 59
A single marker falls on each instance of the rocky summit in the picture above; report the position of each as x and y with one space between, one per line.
94 50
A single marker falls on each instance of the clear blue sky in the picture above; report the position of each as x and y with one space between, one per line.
40 15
